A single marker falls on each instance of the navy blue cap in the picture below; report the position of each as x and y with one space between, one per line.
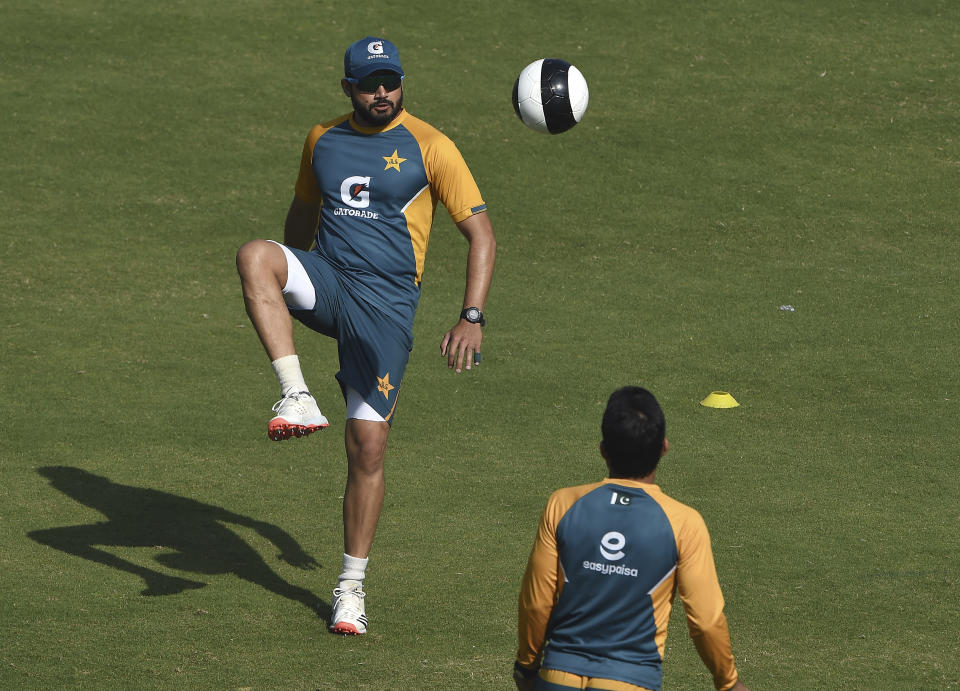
369 55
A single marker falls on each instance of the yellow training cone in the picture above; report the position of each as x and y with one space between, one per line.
719 399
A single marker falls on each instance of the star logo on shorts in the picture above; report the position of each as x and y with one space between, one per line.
393 161
384 386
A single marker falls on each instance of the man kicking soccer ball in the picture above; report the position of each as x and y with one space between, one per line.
364 200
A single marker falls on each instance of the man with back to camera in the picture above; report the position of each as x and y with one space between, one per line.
596 596
364 199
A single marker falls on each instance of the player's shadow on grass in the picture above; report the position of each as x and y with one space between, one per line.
201 543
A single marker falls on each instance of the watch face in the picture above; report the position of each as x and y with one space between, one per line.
473 314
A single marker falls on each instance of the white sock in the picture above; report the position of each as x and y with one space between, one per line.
287 369
354 568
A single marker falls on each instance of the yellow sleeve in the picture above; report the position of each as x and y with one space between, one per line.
454 184
306 188
699 589
450 179
541 585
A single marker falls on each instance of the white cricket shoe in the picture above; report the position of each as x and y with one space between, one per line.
297 416
349 614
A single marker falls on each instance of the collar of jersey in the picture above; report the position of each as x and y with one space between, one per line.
374 130
628 483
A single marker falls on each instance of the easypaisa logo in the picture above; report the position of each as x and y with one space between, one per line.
611 549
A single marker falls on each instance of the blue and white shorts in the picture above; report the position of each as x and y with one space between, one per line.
373 349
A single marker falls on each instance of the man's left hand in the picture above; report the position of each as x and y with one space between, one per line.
461 345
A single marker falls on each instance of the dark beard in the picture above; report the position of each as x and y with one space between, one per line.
370 118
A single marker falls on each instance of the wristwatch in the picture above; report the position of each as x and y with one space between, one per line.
473 315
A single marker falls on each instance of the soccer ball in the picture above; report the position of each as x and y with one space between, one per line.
550 95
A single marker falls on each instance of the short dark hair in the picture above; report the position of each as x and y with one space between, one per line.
633 432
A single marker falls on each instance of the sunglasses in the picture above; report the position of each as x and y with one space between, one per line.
370 83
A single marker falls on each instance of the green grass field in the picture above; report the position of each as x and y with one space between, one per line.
736 157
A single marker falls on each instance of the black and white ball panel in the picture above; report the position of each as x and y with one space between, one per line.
550 95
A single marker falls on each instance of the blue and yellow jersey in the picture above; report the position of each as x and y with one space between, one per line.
379 189
596 597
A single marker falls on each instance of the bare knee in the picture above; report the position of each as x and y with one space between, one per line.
366 446
366 458
261 258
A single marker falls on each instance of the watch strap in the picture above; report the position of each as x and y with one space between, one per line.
464 314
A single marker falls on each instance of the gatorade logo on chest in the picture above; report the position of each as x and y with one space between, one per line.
355 193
